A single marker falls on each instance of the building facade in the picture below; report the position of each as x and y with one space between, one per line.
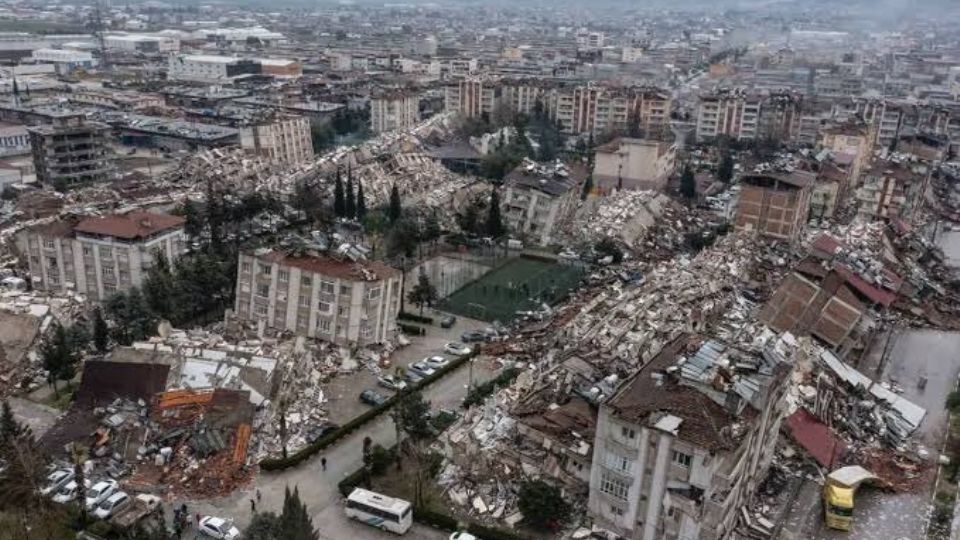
775 205
99 256
342 301
626 163
209 68
681 447
70 152
284 139
394 111
537 200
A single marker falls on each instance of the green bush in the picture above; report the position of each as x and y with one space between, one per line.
407 316
278 464
412 329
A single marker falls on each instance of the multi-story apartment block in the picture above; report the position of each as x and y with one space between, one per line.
850 142
892 190
99 256
343 301
633 164
394 110
775 205
730 113
209 68
283 139
71 151
537 199
681 447
887 116
471 98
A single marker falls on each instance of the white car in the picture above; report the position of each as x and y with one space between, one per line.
69 492
436 362
219 528
99 493
421 369
457 349
112 505
463 536
56 480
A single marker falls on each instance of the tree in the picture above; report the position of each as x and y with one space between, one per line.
78 456
295 522
158 285
339 203
361 202
725 169
133 319
396 208
423 293
587 187
494 224
431 227
688 183
10 428
194 224
542 505
101 337
308 200
350 208
59 358
263 526
403 238
413 413
215 217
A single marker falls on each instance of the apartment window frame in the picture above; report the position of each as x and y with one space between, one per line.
628 433
681 459
263 290
614 486
327 287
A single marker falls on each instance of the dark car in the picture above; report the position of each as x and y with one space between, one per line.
448 321
371 397
473 336
316 433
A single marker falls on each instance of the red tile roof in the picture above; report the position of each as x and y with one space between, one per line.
130 226
328 266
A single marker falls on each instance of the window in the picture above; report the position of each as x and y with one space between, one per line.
628 433
345 290
366 331
324 307
342 311
616 510
260 310
263 289
304 300
306 281
264 269
124 277
87 251
52 262
323 326
374 293
617 462
48 244
283 275
682 459
108 272
613 486
326 287
106 252
245 267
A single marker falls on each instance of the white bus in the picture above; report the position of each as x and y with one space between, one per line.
385 513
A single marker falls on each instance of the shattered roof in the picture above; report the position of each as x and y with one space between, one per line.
575 416
104 381
328 266
816 438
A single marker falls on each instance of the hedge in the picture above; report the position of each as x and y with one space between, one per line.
278 464
407 316
479 393
412 329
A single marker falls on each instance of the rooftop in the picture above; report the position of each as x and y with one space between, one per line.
554 179
131 226
328 266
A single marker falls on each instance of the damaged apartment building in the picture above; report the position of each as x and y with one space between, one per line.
318 295
681 447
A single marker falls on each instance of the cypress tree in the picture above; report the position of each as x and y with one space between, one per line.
339 206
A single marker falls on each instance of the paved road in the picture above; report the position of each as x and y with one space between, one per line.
885 516
318 488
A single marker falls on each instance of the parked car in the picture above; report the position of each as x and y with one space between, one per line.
371 397
463 536
458 349
219 528
412 377
436 362
56 480
100 492
315 433
448 321
422 369
112 505
473 336
68 492
392 382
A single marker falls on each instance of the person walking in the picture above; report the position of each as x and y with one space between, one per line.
253 506
258 494
323 463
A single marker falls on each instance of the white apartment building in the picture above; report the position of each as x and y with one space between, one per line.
99 256
140 43
537 199
734 114
682 446
315 295
284 139
393 111
209 68
471 98
626 163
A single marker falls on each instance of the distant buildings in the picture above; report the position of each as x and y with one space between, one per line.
209 68
282 139
311 294
626 163
684 444
65 60
71 151
391 111
774 205
537 199
99 256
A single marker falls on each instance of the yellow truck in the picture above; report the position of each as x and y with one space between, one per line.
838 491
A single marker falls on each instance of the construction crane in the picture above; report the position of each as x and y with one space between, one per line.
98 29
